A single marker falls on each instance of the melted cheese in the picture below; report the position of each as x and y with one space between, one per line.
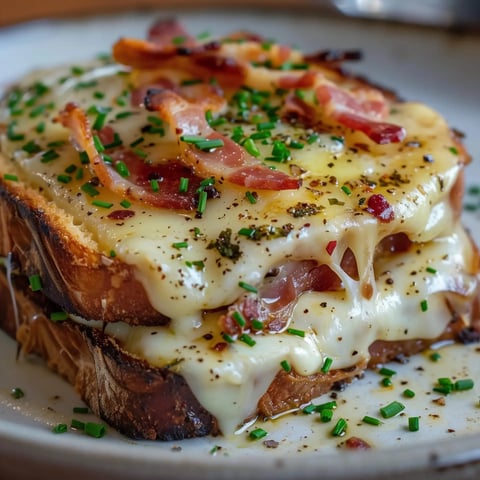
340 325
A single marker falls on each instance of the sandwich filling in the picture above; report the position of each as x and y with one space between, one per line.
278 213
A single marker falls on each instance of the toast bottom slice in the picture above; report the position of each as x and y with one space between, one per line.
137 399
146 402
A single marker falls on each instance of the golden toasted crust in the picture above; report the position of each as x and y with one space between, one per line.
79 279
139 400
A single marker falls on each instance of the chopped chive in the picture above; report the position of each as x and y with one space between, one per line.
247 232
102 204
263 135
10 176
387 382
258 433
117 141
309 409
330 405
125 204
265 126
35 282
96 430
251 148
251 197
387 372
100 119
227 338
137 142
346 190
154 185
55 144
202 202
247 339
296 145
454 150
77 424
464 384
40 128
431 270
58 316
183 185
209 144
237 134
141 153
89 189
256 324
413 424
424 305
247 287
84 160
60 428
435 357
340 428
124 114
371 420
312 138
98 95
48 156
327 363
294 331
98 144
191 138
179 245
408 393
337 139
80 410
286 366
238 317
326 415
71 168
31 147
17 393
62 178
392 409
122 169
113 253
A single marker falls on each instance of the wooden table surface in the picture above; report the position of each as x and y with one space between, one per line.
14 11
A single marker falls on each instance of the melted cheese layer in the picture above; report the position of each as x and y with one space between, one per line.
340 325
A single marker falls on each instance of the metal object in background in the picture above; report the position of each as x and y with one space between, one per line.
438 13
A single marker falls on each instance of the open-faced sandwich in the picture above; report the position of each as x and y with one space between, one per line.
201 231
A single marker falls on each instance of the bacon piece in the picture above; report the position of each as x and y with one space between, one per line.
275 299
201 62
170 32
136 185
378 206
230 162
357 113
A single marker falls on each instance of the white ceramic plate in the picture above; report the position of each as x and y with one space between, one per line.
436 67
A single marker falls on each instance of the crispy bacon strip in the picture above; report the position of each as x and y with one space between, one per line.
275 300
201 62
136 186
362 110
170 32
230 162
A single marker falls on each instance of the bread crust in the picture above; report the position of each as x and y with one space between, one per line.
137 399
75 276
